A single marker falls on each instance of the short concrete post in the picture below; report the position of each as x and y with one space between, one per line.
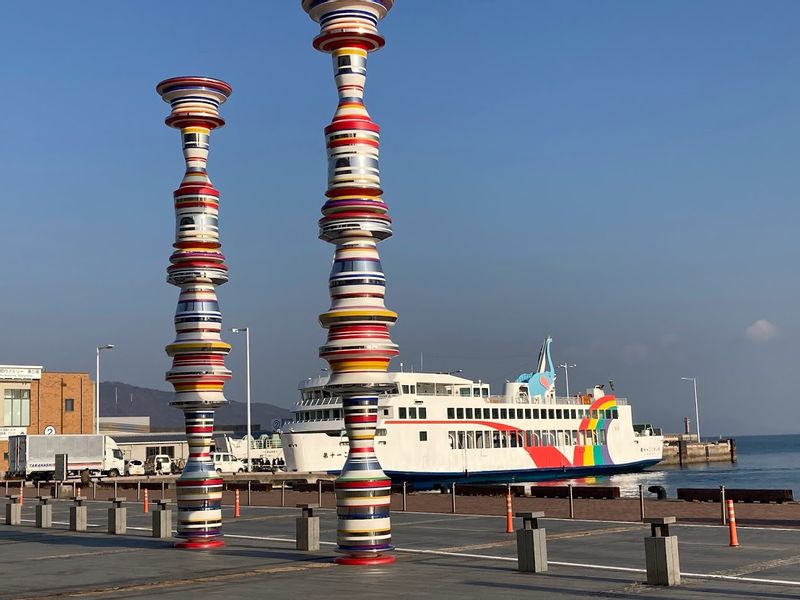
283 493
723 509
571 502
44 512
531 544
117 517
319 492
13 510
307 528
162 520
661 553
77 515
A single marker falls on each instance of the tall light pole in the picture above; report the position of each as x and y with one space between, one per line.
566 368
97 388
696 409
246 331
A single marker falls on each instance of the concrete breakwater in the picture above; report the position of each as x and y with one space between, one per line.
681 451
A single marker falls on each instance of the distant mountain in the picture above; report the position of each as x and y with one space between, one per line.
123 400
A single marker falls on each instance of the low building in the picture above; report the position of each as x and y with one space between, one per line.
40 402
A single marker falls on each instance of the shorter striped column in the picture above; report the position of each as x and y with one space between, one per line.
363 492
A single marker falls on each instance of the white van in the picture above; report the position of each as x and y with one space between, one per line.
227 463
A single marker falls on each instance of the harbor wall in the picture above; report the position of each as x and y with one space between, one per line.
679 451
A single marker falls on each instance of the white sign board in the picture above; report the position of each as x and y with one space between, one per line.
7 431
18 373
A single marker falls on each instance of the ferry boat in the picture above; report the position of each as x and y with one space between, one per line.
435 429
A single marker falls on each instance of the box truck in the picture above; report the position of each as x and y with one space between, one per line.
34 456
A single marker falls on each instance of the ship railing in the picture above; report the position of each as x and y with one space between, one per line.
574 400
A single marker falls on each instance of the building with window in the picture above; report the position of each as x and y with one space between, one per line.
39 402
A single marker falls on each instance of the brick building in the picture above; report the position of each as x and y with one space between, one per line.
36 401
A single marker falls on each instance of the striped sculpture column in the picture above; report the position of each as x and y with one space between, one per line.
354 219
198 371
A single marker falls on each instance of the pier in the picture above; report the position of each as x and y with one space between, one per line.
686 450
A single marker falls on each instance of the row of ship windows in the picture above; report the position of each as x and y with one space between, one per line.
460 440
411 412
530 413
319 415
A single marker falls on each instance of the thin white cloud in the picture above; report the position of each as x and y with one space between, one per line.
761 332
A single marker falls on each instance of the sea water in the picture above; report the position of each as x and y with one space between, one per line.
764 461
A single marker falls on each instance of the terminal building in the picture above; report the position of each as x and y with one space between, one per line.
40 402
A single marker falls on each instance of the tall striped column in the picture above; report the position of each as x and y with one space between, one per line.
354 219
198 371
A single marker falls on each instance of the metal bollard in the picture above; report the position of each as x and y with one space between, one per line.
641 502
283 494
44 512
249 500
94 490
13 510
661 553
307 528
404 496
531 544
723 508
162 489
162 520
138 491
319 492
453 497
571 502
77 515
117 517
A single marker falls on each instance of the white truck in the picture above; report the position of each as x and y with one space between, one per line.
34 456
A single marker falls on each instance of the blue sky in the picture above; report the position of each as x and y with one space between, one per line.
619 175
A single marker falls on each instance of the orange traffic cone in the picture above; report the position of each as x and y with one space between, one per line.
732 524
236 504
509 514
146 502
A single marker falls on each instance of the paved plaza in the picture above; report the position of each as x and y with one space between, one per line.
438 555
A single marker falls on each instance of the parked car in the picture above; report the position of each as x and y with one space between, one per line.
158 464
134 467
227 463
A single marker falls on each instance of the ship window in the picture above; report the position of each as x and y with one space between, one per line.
486 392
535 413
405 389
338 413
504 439
460 440
464 392
558 413
444 389
451 413
385 412
551 413
513 440
479 439
527 413
520 413
460 413
470 439
487 439
476 392
504 413
451 435
426 389
614 414
380 432
572 414
469 413
402 411
487 413
495 413
423 436
423 412
594 413
528 439
495 439
412 412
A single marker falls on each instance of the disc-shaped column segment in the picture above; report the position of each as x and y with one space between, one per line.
197 266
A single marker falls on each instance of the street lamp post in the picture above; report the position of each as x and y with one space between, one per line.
246 331
566 368
97 387
696 409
